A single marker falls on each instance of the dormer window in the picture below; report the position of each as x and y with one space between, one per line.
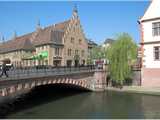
156 29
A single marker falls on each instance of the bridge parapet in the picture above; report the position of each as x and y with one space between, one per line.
34 72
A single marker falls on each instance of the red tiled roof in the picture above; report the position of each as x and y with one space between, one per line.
22 42
47 35
50 35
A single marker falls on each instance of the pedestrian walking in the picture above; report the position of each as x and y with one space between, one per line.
4 70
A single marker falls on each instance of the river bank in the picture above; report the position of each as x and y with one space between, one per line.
137 89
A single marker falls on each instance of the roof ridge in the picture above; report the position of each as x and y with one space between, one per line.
56 24
35 31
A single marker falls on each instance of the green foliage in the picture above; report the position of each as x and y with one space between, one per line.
121 55
96 53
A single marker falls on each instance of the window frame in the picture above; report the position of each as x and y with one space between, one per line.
156 28
80 41
76 52
154 53
69 52
72 40
57 51
82 53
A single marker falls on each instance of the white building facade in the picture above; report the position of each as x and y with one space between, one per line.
150 45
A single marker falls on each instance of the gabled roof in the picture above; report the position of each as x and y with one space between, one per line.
56 36
108 40
50 35
153 11
90 42
20 43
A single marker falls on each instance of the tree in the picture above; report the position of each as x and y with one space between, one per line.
96 53
121 55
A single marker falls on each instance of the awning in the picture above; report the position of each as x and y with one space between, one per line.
39 56
43 54
7 61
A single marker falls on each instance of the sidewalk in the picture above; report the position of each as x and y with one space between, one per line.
137 89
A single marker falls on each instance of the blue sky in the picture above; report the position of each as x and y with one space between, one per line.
100 20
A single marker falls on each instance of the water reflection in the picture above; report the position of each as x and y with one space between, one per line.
151 106
58 102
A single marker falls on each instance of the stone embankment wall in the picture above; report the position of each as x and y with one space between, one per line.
136 78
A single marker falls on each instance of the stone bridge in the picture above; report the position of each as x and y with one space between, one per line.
23 79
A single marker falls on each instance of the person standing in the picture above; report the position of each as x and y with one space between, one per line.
4 70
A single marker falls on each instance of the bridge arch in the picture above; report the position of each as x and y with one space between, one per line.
65 86
81 83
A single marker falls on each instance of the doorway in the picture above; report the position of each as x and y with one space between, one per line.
57 63
76 63
69 63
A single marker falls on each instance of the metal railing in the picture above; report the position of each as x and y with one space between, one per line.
42 71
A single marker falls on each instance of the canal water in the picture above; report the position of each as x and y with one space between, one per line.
66 102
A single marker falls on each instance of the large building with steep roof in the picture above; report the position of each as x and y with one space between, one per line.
150 45
63 44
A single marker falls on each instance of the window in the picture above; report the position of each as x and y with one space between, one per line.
80 41
82 53
156 29
72 40
76 52
157 53
46 62
57 52
69 52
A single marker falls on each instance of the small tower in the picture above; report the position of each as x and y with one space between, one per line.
38 27
3 40
75 12
14 35
2 43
